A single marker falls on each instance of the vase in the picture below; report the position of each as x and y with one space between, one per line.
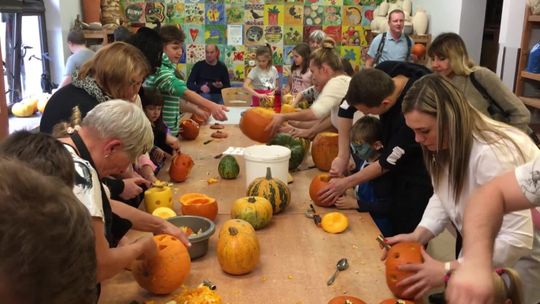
420 22
91 10
407 7
383 8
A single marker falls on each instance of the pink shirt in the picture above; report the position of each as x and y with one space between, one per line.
300 82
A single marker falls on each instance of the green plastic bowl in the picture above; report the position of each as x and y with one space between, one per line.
199 243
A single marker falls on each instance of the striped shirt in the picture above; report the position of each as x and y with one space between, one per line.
172 89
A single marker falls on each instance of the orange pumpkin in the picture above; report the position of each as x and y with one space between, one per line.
400 254
200 205
181 165
189 129
318 183
419 50
167 270
344 299
396 301
324 150
253 123
238 250
239 224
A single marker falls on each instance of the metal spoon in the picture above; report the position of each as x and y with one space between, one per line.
341 265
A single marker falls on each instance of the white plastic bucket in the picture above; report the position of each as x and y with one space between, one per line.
259 157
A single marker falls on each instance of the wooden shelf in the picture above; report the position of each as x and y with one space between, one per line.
531 101
534 18
528 75
99 34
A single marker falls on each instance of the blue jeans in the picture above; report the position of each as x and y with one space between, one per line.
216 98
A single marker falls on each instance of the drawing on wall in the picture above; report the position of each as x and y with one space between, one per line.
368 15
214 34
287 55
277 56
294 14
352 16
333 2
194 13
135 13
154 12
273 34
235 34
194 53
353 54
174 13
236 72
194 33
254 14
353 35
273 14
313 15
234 54
215 13
254 35
293 35
333 31
235 2
332 15
234 14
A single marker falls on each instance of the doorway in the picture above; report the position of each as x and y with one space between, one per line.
490 38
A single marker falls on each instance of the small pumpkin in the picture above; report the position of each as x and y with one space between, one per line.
22 109
167 270
181 165
189 129
296 145
334 222
164 212
42 102
228 167
274 190
200 205
324 150
318 183
158 196
400 254
253 209
396 301
254 122
238 250
346 300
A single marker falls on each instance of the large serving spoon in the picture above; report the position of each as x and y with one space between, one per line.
340 266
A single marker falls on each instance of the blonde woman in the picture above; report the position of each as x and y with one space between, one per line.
481 87
463 149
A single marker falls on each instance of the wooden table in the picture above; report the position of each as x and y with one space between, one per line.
297 257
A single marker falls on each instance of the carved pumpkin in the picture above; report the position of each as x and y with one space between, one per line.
399 254
254 121
324 150
167 270
239 224
274 190
189 129
238 250
200 205
346 300
155 197
334 222
181 165
253 209
318 183
396 301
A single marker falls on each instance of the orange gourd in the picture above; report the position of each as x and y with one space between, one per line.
239 224
396 301
200 205
324 150
253 123
167 270
400 254
344 299
181 165
334 222
238 250
189 129
419 50
318 183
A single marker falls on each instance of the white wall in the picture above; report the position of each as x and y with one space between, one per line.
59 15
471 27
512 16
444 15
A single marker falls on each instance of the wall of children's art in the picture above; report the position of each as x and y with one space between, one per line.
239 26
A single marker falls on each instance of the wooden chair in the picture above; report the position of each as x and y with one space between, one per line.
236 97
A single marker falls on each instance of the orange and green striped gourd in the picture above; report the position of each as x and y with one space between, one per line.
272 189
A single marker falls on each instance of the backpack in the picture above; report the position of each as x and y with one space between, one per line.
381 47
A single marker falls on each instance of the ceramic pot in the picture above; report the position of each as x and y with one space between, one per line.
394 6
407 7
420 22
91 10
383 9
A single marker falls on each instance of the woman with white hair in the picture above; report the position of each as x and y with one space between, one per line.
111 136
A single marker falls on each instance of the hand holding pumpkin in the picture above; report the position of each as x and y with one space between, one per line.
339 167
400 238
148 247
170 229
132 187
336 187
427 275
274 126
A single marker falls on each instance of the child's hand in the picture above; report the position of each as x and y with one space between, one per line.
346 202
132 187
218 112
158 155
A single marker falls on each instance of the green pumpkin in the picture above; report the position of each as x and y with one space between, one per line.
298 147
274 190
253 209
228 167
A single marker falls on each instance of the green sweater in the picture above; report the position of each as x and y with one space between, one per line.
172 89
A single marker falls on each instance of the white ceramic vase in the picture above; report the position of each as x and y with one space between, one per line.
420 22
383 9
407 7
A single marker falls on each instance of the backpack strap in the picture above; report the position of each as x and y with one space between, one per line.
494 107
380 49
409 46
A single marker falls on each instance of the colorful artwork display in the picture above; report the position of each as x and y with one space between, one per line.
280 23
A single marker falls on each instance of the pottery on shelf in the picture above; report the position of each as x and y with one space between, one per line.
420 22
383 8
407 7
